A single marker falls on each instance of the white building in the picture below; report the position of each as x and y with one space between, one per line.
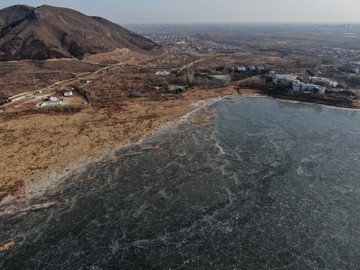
356 70
281 78
48 102
163 73
324 81
321 90
50 98
241 68
298 86
68 93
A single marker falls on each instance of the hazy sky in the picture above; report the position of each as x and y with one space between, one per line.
189 11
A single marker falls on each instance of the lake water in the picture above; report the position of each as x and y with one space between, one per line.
267 184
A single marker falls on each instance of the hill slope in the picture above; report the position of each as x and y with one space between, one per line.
13 14
51 32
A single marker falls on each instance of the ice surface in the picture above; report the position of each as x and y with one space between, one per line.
268 185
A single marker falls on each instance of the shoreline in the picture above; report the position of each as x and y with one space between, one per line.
296 101
356 108
329 103
50 179
46 182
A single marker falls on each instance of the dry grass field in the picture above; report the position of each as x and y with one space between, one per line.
23 76
50 145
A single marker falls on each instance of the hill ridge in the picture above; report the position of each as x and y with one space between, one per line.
51 32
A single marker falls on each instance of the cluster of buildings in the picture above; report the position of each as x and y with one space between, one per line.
344 55
50 100
162 73
318 84
249 68
68 93
176 39
301 87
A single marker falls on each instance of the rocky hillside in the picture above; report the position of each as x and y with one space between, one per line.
13 14
51 32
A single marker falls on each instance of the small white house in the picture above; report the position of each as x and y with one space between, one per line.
68 93
242 69
50 98
163 73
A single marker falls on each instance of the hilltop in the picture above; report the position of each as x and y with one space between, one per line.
51 32
13 14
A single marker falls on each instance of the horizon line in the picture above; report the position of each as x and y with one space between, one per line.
245 23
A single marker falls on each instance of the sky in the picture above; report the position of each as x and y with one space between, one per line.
211 11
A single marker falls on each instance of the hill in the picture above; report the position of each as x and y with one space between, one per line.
51 32
13 14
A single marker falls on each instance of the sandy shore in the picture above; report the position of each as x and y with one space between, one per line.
39 151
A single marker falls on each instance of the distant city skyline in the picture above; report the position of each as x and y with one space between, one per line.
211 11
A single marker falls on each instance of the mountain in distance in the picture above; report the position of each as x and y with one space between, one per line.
51 32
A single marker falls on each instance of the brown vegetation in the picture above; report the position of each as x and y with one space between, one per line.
36 144
24 76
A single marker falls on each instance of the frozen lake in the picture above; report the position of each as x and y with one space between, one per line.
267 184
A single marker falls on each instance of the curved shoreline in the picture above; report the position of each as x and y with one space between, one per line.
46 181
329 103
